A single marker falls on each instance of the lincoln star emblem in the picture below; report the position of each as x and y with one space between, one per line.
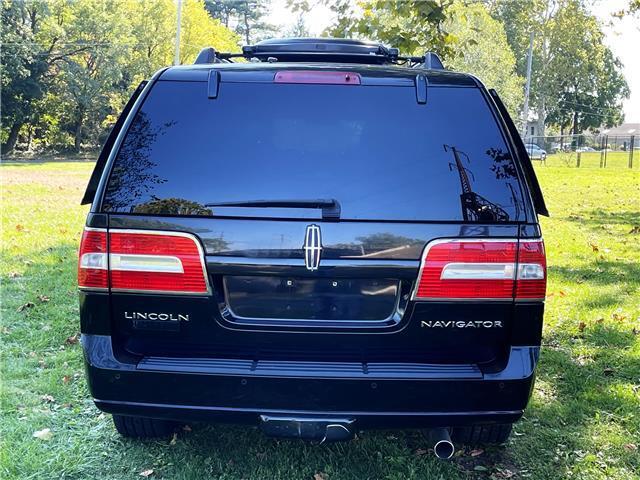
312 247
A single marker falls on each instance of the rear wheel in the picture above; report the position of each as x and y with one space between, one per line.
482 434
142 427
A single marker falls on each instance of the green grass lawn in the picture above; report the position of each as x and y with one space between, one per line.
614 160
583 421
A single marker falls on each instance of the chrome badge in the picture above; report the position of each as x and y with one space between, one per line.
312 247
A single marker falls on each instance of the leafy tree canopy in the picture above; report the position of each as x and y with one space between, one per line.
69 66
576 80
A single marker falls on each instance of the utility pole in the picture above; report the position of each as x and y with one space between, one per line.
176 58
525 110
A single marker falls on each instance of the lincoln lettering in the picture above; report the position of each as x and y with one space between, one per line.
165 317
462 324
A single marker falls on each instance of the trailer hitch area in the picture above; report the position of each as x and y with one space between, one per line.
308 428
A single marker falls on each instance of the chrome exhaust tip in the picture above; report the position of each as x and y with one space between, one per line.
442 445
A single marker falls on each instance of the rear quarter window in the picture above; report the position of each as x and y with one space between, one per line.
376 150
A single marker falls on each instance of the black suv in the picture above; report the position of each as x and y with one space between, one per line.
324 238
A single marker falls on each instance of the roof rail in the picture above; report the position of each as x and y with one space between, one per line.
321 50
208 55
432 61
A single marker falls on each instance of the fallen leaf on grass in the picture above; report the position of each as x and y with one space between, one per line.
44 434
43 298
419 452
582 326
320 476
66 379
146 473
594 247
632 447
608 371
503 473
72 340
476 452
15 275
480 468
19 228
24 306
618 318
48 398
562 294
174 439
635 230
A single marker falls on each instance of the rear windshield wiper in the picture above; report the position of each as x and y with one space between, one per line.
330 207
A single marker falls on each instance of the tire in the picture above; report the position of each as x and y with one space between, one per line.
142 427
482 434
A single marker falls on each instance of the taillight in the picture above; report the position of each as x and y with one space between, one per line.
92 261
482 269
532 270
151 261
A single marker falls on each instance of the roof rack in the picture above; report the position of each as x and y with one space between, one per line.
321 50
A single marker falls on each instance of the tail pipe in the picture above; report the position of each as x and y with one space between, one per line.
442 444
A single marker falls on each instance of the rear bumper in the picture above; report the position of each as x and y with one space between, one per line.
373 396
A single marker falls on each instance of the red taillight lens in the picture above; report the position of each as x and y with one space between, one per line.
532 270
467 269
92 261
142 261
156 262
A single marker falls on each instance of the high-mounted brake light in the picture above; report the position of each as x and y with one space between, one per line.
145 261
319 77
482 269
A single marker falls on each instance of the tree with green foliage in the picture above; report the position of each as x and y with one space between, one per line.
484 52
68 67
200 30
413 26
246 16
33 49
576 81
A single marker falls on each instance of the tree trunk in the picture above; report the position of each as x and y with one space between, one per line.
77 142
29 137
246 28
541 120
12 139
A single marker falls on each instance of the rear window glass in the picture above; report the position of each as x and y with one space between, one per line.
374 149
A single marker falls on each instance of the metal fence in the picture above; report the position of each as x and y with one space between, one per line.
598 151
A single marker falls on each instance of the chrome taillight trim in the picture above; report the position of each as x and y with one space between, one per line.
478 271
127 262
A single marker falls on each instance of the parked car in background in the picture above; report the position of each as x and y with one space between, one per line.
585 149
535 152
265 247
